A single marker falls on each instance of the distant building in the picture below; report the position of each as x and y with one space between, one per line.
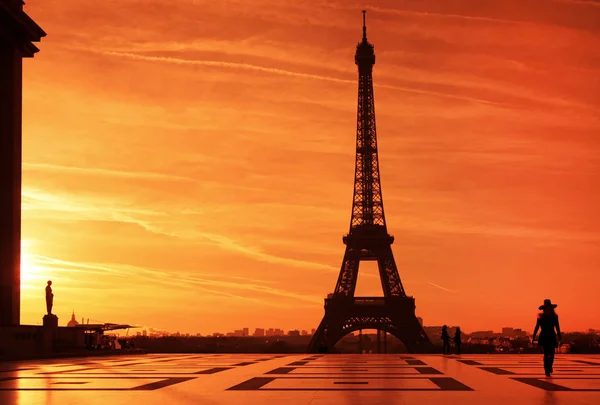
483 334
258 332
294 333
435 332
279 332
304 333
270 332
312 331
513 333
73 321
144 333
245 332
238 332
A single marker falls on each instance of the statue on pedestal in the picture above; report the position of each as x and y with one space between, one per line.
49 297
50 320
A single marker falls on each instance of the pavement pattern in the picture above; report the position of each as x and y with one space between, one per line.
228 379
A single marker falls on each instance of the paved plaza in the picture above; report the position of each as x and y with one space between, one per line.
215 379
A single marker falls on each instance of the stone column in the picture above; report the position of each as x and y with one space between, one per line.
49 333
17 31
10 185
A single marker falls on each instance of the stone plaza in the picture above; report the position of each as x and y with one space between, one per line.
216 379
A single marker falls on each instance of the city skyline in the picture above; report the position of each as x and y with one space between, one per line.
195 196
269 331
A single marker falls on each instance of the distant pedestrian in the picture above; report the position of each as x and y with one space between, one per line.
457 341
445 340
547 320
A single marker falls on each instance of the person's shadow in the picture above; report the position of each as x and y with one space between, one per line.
549 399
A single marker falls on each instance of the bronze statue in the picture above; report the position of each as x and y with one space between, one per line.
49 297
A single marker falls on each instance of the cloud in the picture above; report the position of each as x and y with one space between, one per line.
209 63
591 3
231 245
284 72
430 15
92 171
526 232
97 208
116 275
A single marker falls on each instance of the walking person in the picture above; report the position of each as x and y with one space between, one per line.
457 341
547 321
445 340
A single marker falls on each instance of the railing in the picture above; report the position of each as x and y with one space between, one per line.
369 301
343 300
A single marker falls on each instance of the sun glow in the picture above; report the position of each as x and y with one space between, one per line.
30 273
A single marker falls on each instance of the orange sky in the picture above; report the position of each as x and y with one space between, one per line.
188 165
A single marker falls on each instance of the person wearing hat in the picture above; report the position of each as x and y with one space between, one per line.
547 321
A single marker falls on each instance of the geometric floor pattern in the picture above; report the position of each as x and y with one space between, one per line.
215 379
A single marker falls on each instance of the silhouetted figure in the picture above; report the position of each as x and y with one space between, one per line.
457 340
49 297
445 340
547 320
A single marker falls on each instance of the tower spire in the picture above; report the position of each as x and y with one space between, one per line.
364 25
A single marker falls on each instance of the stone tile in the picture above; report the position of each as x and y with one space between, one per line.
227 379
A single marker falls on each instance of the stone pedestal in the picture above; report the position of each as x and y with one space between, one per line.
17 32
50 321
49 333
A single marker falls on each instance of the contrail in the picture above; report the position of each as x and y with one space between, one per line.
442 288
247 66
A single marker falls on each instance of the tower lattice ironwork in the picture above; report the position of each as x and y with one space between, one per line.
368 239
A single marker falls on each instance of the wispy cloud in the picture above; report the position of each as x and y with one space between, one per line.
232 245
69 272
83 208
92 171
592 3
430 14
222 64
520 232
277 71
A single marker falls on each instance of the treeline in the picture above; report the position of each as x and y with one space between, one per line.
580 343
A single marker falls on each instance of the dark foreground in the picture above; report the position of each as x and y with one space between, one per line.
216 379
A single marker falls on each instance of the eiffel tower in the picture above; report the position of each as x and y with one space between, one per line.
368 239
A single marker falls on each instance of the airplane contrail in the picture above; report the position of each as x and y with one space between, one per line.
442 288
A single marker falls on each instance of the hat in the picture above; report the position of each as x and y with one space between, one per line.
548 304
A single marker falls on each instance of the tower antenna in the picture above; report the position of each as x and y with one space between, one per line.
364 25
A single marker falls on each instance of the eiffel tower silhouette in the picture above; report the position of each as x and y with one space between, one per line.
368 239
